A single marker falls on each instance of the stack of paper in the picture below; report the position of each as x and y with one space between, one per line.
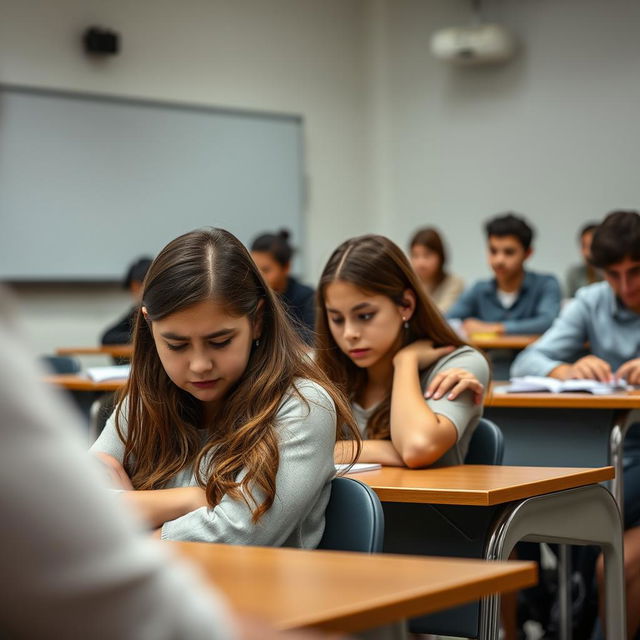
358 467
102 374
527 384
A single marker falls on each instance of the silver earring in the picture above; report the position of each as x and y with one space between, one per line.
257 342
406 323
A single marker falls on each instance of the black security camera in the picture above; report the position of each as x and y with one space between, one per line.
99 41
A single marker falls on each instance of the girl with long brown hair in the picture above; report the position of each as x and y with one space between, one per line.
429 259
386 346
226 428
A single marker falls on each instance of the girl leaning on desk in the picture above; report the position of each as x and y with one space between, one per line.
415 387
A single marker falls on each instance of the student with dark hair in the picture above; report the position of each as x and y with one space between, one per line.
515 301
606 315
429 259
226 428
272 253
120 332
580 275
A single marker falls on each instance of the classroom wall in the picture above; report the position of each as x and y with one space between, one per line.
394 138
553 134
294 56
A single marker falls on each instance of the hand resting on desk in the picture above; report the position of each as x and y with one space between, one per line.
593 368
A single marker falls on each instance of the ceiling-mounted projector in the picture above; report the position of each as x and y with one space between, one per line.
475 45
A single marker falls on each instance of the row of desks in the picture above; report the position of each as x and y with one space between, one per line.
517 342
555 429
494 398
540 428
353 592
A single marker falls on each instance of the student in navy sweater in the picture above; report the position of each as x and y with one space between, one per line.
120 332
272 253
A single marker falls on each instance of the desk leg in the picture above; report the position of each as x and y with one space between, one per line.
616 455
564 592
585 516
393 631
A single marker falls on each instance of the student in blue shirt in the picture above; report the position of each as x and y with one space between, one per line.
515 301
607 316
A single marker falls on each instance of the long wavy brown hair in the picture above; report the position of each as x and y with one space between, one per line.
375 265
163 431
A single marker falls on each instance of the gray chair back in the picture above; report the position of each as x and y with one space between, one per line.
353 520
487 444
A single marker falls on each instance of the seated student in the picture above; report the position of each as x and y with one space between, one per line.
515 301
272 253
428 259
580 275
225 430
120 332
74 564
606 315
383 342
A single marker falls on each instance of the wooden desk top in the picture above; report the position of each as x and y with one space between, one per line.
545 400
350 592
114 350
74 382
476 485
485 341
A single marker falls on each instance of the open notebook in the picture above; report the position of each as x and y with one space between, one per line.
528 384
358 467
102 374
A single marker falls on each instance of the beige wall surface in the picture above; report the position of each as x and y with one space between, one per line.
292 56
553 134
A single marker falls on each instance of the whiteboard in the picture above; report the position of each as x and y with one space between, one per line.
88 183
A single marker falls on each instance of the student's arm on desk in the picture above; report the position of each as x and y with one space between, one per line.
381 451
560 345
418 434
451 381
158 506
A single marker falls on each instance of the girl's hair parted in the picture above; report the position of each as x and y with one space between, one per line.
163 421
375 265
